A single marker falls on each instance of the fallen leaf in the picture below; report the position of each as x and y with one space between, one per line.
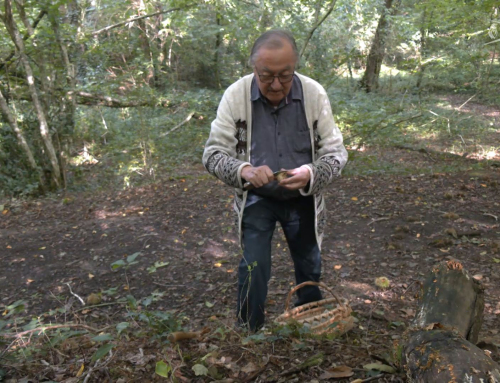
337 372
408 312
162 369
200 369
250 367
209 304
379 367
80 371
354 198
91 276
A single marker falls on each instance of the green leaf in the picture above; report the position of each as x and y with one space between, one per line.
131 258
200 369
147 301
496 260
163 369
118 264
15 308
379 367
103 350
132 302
157 265
102 338
209 304
122 326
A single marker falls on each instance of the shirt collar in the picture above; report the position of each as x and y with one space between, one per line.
294 94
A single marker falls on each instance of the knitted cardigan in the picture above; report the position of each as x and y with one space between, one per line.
228 148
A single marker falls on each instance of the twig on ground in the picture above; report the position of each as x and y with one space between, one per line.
8 348
491 215
99 305
372 378
111 355
314 360
44 328
378 219
163 285
89 372
76 295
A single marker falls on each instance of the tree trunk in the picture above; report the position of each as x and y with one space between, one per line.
370 78
440 344
218 42
20 138
423 48
44 128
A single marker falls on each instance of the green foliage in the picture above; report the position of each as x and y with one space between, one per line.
177 63
125 263
159 323
102 351
163 369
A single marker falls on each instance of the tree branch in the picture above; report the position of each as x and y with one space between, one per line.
25 37
311 32
95 99
135 18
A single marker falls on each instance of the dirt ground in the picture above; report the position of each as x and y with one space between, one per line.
391 226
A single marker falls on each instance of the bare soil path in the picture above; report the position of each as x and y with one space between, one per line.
393 226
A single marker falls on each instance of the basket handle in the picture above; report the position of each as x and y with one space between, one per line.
310 283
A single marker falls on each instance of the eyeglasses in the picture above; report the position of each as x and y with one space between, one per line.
268 79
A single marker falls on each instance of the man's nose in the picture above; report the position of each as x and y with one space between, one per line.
276 84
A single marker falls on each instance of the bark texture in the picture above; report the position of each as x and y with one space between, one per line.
440 345
370 78
44 128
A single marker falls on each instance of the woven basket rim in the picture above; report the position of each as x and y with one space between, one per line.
318 312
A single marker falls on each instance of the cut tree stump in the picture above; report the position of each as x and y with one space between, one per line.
440 344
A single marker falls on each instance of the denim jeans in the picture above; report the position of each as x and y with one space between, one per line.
259 221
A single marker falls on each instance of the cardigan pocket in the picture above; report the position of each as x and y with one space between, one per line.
302 142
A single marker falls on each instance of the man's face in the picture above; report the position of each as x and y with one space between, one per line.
275 62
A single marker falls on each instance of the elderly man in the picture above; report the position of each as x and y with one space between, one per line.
271 120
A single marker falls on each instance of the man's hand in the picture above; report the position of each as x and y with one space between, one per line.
258 176
298 179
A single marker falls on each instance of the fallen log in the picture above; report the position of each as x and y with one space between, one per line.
440 344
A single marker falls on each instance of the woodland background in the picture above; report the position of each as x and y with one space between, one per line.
95 92
113 236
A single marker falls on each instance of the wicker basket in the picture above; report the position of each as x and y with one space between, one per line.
331 315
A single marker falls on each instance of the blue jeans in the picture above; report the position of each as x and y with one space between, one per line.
259 221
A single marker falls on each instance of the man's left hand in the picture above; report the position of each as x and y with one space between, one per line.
298 178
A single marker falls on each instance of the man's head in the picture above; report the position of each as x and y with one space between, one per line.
273 58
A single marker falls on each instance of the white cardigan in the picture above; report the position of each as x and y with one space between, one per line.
228 148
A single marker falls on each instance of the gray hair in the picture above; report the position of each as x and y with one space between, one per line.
273 39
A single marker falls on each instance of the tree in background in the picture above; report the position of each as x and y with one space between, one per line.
67 66
370 78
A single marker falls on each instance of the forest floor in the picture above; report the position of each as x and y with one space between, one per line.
55 250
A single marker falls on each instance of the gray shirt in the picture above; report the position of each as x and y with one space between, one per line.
280 138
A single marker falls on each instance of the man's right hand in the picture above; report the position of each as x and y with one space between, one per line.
258 176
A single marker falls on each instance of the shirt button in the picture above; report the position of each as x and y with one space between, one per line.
281 155
279 133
